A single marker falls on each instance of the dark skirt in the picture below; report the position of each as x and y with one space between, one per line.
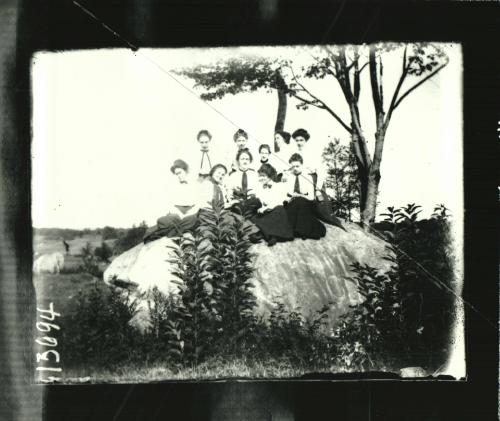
274 223
171 225
247 207
302 218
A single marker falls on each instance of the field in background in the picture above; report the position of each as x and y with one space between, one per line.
61 289
44 244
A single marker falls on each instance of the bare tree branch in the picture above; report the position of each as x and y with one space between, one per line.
363 66
404 73
381 75
375 83
316 101
419 83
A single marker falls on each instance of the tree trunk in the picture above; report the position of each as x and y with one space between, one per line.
282 104
363 166
369 210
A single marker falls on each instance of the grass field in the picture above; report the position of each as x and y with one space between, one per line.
43 245
61 289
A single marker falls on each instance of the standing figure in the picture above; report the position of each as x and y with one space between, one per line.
265 158
182 213
272 219
300 202
312 160
281 157
66 246
241 140
204 157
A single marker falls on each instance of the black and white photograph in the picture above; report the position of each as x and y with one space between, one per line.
248 212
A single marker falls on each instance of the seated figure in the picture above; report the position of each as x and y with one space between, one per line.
272 219
300 203
243 184
182 214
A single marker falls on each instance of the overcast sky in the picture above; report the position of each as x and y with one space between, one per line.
107 125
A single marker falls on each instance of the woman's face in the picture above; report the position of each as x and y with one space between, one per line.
264 154
204 141
181 174
296 167
241 142
263 179
244 162
279 140
219 175
300 142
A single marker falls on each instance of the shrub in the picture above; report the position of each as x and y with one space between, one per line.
407 314
103 252
342 179
109 233
90 262
163 340
130 238
97 332
214 313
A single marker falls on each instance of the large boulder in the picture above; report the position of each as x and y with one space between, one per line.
48 263
302 274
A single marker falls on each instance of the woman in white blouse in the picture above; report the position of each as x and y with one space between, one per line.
272 218
182 213
282 153
311 157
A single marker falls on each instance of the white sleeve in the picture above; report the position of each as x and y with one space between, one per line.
205 193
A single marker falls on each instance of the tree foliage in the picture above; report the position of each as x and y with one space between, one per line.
342 179
233 76
130 238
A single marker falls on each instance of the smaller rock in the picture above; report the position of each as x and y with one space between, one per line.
412 372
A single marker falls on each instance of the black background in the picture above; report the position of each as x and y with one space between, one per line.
60 25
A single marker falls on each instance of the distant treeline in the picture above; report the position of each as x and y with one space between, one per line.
107 232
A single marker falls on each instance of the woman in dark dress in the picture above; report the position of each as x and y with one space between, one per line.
242 184
215 196
272 219
299 208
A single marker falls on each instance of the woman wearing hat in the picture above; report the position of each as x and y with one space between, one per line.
183 211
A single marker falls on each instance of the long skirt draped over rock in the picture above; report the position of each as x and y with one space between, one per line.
171 225
274 223
302 218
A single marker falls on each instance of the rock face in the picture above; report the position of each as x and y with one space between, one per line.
303 274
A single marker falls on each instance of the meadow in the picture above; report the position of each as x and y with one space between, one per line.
62 288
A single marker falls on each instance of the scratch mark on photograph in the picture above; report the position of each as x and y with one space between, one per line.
250 212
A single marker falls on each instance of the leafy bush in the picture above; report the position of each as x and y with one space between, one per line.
130 238
342 179
97 332
90 262
103 252
214 268
407 314
109 233
302 341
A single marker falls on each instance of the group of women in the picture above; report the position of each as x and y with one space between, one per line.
276 194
